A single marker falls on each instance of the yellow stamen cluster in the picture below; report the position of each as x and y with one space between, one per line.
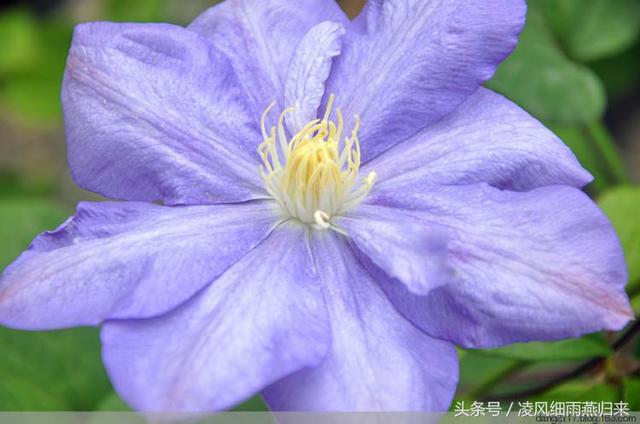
313 175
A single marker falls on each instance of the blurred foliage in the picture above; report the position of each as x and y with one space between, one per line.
58 371
632 392
622 205
112 402
31 65
27 217
593 29
574 56
49 370
14 186
549 77
619 73
34 51
559 90
138 11
592 345
580 391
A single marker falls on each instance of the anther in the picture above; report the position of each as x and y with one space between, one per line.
313 173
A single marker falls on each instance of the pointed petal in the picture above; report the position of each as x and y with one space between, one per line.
539 265
261 320
153 112
417 60
487 139
378 360
260 38
114 260
308 71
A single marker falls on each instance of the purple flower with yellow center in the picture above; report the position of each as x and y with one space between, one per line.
312 208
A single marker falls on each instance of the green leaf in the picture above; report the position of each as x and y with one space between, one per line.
619 73
478 369
138 11
539 77
635 305
33 97
578 139
622 206
21 220
594 29
112 402
51 370
254 404
33 91
632 392
14 185
18 41
597 152
44 370
580 391
19 394
589 346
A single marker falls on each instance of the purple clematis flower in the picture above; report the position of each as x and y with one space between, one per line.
342 203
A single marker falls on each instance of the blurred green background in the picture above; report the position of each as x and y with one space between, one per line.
577 68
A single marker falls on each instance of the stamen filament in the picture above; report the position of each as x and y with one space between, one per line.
313 174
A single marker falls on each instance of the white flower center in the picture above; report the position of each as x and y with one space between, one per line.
313 176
